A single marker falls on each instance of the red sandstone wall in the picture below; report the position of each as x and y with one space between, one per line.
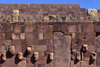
63 38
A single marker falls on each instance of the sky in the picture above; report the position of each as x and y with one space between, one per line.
88 4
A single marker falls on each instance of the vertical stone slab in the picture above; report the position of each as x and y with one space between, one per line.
62 45
97 42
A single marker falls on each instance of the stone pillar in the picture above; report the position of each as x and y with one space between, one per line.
62 52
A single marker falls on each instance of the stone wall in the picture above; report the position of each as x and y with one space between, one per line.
73 43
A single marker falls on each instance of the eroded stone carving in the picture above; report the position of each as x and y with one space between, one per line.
92 14
29 49
51 56
20 55
78 56
3 56
15 16
93 56
36 56
12 50
85 47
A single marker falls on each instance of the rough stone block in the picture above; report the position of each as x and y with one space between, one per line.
2 49
62 50
17 29
41 42
29 63
15 36
7 42
10 62
18 48
97 28
1 42
98 59
56 27
92 48
87 55
22 35
79 28
49 42
2 36
50 48
39 47
40 36
28 42
16 42
86 64
28 28
48 28
8 36
90 35
75 65
64 28
22 64
48 36
29 36
72 28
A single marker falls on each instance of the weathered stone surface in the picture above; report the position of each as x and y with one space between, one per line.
29 63
15 36
86 64
15 16
88 28
75 65
29 36
28 28
22 64
22 35
98 58
97 28
40 47
40 36
7 42
41 42
93 14
62 45
17 29
72 28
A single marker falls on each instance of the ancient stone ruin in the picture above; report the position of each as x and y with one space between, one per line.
49 35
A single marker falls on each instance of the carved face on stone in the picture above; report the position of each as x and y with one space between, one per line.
36 56
51 56
29 49
85 47
93 56
20 55
3 56
12 49
78 57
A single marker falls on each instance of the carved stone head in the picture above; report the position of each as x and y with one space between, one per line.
78 57
29 49
12 49
93 56
20 55
85 47
36 56
3 56
51 56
